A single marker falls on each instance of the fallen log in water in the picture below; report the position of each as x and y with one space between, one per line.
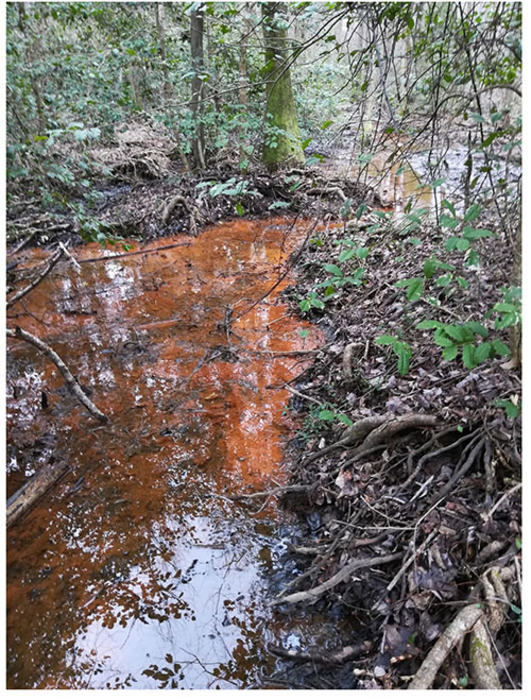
23 500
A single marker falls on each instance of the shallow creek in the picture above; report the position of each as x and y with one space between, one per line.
135 571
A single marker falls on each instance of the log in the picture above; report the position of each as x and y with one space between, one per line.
23 500
69 378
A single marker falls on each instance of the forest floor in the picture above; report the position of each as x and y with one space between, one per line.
413 513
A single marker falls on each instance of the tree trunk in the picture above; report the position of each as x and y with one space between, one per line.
282 143
242 89
198 66
159 17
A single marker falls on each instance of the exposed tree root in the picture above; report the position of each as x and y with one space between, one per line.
376 430
453 634
342 576
71 381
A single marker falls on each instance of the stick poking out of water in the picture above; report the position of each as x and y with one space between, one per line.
71 381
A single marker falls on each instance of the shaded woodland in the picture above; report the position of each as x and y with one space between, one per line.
264 332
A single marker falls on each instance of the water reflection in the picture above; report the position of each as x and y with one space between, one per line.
135 571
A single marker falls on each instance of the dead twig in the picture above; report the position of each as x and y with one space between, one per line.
52 262
73 385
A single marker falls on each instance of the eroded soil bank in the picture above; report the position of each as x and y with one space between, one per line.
137 570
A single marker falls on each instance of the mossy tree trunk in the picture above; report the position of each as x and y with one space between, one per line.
282 143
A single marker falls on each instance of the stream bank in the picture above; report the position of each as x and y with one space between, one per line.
372 628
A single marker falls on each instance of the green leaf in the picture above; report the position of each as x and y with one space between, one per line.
472 212
436 183
462 282
360 210
469 359
334 270
428 324
501 348
448 205
443 280
440 338
455 332
478 328
429 268
448 221
385 340
415 241
403 351
279 205
490 138
304 305
511 410
326 414
506 308
472 234
483 352
415 290
326 124
346 255
239 209
450 353
344 419
304 333
478 118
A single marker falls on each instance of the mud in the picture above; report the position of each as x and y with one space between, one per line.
137 571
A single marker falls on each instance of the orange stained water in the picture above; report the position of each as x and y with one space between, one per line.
136 571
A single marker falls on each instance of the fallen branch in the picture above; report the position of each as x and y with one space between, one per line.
108 258
328 190
69 255
464 621
293 488
459 473
52 261
342 575
338 659
22 243
23 500
19 334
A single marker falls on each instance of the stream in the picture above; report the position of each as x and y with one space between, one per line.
137 571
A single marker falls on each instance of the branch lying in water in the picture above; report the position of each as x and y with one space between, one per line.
23 500
73 385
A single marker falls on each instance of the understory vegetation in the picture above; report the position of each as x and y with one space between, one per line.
392 133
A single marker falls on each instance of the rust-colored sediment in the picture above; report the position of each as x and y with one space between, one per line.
140 575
